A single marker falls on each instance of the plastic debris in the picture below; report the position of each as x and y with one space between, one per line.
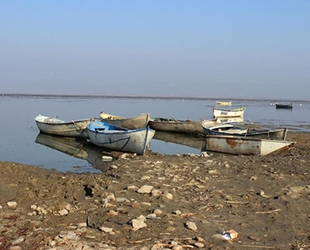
106 158
229 235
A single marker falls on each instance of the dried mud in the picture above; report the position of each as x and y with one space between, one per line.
264 199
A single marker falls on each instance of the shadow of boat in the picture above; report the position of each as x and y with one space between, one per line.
180 138
76 147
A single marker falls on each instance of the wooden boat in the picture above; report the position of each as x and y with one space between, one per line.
284 106
55 126
179 126
229 120
229 129
223 103
245 145
228 112
140 121
76 147
118 138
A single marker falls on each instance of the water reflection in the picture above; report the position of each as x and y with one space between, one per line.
181 138
75 147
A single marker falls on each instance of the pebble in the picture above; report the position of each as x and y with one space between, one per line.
138 224
156 192
146 189
81 224
132 187
12 204
168 196
63 212
199 245
191 225
158 212
107 230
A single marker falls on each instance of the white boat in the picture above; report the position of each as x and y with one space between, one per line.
223 129
223 103
55 126
229 129
139 121
245 145
179 126
228 112
118 138
229 120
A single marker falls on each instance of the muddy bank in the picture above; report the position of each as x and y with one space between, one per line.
161 202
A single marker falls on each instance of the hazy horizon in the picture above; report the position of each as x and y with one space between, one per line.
211 49
147 97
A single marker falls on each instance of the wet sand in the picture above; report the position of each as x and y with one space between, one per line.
161 202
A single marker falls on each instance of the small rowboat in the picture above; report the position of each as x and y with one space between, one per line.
55 126
222 103
229 129
117 138
140 121
284 106
178 126
228 113
245 145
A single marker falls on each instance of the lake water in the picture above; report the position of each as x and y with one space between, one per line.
19 131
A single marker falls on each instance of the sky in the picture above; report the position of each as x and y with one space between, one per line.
198 48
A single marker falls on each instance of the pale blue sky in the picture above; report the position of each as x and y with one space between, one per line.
198 48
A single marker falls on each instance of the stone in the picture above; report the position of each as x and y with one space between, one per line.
199 245
156 192
157 212
169 196
138 224
132 187
81 224
145 178
142 218
63 212
146 189
107 230
191 225
12 204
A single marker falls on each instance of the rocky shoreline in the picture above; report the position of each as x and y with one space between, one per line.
161 202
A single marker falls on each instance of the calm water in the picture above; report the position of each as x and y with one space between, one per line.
19 131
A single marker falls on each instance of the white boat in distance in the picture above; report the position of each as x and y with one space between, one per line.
118 138
245 145
55 126
239 112
223 103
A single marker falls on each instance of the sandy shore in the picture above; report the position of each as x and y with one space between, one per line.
161 202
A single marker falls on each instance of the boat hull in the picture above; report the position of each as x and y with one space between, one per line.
217 113
245 145
228 129
54 126
177 126
140 121
223 103
284 106
120 139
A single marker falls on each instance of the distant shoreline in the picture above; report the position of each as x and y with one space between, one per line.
145 97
